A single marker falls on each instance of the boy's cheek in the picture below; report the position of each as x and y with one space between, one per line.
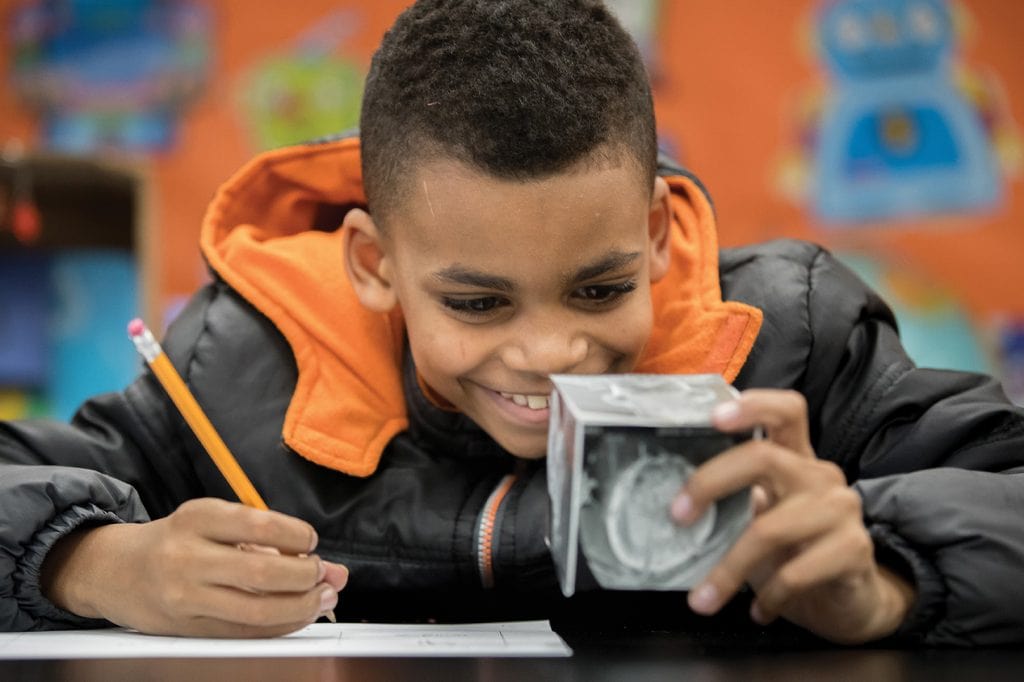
627 335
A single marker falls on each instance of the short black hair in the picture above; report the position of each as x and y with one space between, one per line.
519 89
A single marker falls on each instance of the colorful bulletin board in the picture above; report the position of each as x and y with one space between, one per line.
887 130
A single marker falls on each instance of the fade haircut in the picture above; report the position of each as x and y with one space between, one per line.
518 89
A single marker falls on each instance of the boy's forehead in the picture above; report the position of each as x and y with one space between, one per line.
454 218
444 189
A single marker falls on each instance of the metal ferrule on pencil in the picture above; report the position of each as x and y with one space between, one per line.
147 345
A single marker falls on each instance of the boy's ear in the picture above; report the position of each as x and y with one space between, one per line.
659 229
367 262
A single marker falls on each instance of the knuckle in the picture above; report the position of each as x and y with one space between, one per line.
194 513
861 542
191 506
795 401
726 577
314 572
845 499
183 514
259 575
261 525
768 455
760 451
831 472
788 582
763 532
232 514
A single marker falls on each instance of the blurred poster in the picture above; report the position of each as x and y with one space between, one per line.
114 74
926 310
901 129
308 90
24 326
95 294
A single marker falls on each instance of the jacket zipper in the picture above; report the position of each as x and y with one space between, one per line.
485 545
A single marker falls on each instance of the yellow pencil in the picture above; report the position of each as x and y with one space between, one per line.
169 378
186 403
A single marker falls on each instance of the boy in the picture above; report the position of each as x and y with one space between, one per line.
387 383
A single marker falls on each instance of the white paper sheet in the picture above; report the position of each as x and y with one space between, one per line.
527 638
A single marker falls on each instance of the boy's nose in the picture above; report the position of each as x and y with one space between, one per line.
555 353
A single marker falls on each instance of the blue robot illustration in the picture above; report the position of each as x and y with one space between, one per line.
897 138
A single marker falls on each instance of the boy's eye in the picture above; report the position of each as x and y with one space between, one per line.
474 306
604 293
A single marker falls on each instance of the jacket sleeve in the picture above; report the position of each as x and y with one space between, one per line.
937 456
123 458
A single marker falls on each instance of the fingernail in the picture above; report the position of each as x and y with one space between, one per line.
681 507
726 412
315 540
756 615
704 599
321 571
328 599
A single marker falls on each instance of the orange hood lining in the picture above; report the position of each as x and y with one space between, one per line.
260 236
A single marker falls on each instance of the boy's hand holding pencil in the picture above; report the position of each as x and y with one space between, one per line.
212 568
185 574
186 403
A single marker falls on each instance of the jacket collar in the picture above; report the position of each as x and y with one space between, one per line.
272 233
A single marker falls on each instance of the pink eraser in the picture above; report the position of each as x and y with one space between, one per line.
136 327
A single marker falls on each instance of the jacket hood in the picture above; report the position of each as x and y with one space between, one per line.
272 234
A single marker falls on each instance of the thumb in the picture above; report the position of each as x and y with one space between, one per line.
336 575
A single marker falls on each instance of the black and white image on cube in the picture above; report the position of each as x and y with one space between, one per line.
620 447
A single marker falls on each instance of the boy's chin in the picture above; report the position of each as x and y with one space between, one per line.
526 448
531 455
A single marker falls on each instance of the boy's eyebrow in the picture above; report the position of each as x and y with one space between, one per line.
457 274
609 263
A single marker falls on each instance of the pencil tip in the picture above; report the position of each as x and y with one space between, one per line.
136 327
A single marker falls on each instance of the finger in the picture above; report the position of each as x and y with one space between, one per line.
205 626
232 523
753 462
336 575
260 549
774 534
847 553
266 609
783 414
760 500
258 571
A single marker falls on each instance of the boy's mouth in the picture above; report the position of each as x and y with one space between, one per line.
533 402
528 410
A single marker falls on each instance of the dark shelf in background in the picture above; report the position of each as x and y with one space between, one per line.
83 203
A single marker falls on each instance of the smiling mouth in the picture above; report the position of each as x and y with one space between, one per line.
532 402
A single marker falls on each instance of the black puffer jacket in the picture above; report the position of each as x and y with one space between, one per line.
937 457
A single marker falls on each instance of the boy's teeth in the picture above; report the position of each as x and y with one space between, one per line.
534 402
